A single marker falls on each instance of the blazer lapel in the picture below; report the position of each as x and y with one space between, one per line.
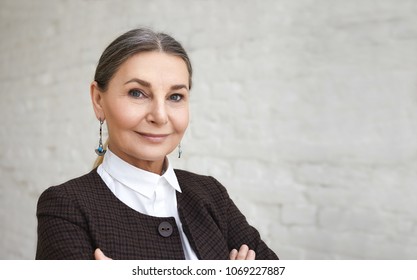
201 223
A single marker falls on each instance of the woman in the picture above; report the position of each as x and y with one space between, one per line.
133 204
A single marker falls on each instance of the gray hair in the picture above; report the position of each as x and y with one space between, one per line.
133 42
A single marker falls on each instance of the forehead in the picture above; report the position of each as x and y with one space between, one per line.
154 66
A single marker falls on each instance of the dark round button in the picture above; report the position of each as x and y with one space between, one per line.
165 229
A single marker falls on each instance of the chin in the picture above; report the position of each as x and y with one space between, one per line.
152 156
149 153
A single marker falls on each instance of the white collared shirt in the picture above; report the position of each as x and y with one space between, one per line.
145 192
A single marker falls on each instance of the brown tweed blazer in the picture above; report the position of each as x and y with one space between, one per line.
82 214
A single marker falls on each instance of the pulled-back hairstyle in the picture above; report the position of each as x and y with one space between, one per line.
133 42
128 44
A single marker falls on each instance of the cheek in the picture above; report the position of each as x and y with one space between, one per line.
181 121
121 116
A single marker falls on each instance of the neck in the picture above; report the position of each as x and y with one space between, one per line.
158 166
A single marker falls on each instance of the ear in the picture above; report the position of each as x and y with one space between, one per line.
97 99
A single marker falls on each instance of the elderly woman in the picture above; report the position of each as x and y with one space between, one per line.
133 204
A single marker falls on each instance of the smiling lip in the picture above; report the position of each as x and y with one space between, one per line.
154 138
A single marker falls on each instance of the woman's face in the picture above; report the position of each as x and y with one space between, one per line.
145 107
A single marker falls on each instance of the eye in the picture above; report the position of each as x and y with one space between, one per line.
176 97
136 93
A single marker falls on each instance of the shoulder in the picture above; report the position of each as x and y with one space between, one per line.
201 185
80 190
75 184
190 176
187 177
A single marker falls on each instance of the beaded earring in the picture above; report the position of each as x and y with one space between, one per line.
100 151
179 151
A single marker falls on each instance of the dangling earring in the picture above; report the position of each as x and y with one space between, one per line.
179 151
100 150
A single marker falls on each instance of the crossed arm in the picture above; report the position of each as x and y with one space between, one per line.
244 253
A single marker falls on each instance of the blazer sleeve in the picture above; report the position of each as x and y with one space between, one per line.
239 231
62 228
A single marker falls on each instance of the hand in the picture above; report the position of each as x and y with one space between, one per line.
244 253
99 255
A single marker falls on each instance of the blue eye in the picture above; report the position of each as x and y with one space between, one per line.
176 97
136 93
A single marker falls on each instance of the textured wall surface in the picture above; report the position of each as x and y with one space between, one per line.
305 110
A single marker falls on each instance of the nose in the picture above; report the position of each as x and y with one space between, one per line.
157 112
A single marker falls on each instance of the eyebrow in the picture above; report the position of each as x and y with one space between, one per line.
148 85
177 87
139 81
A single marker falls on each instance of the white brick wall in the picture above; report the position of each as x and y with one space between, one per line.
305 110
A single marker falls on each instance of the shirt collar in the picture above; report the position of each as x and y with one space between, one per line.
141 181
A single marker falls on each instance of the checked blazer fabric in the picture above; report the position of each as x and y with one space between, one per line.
78 216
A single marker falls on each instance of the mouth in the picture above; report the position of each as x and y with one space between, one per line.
154 138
